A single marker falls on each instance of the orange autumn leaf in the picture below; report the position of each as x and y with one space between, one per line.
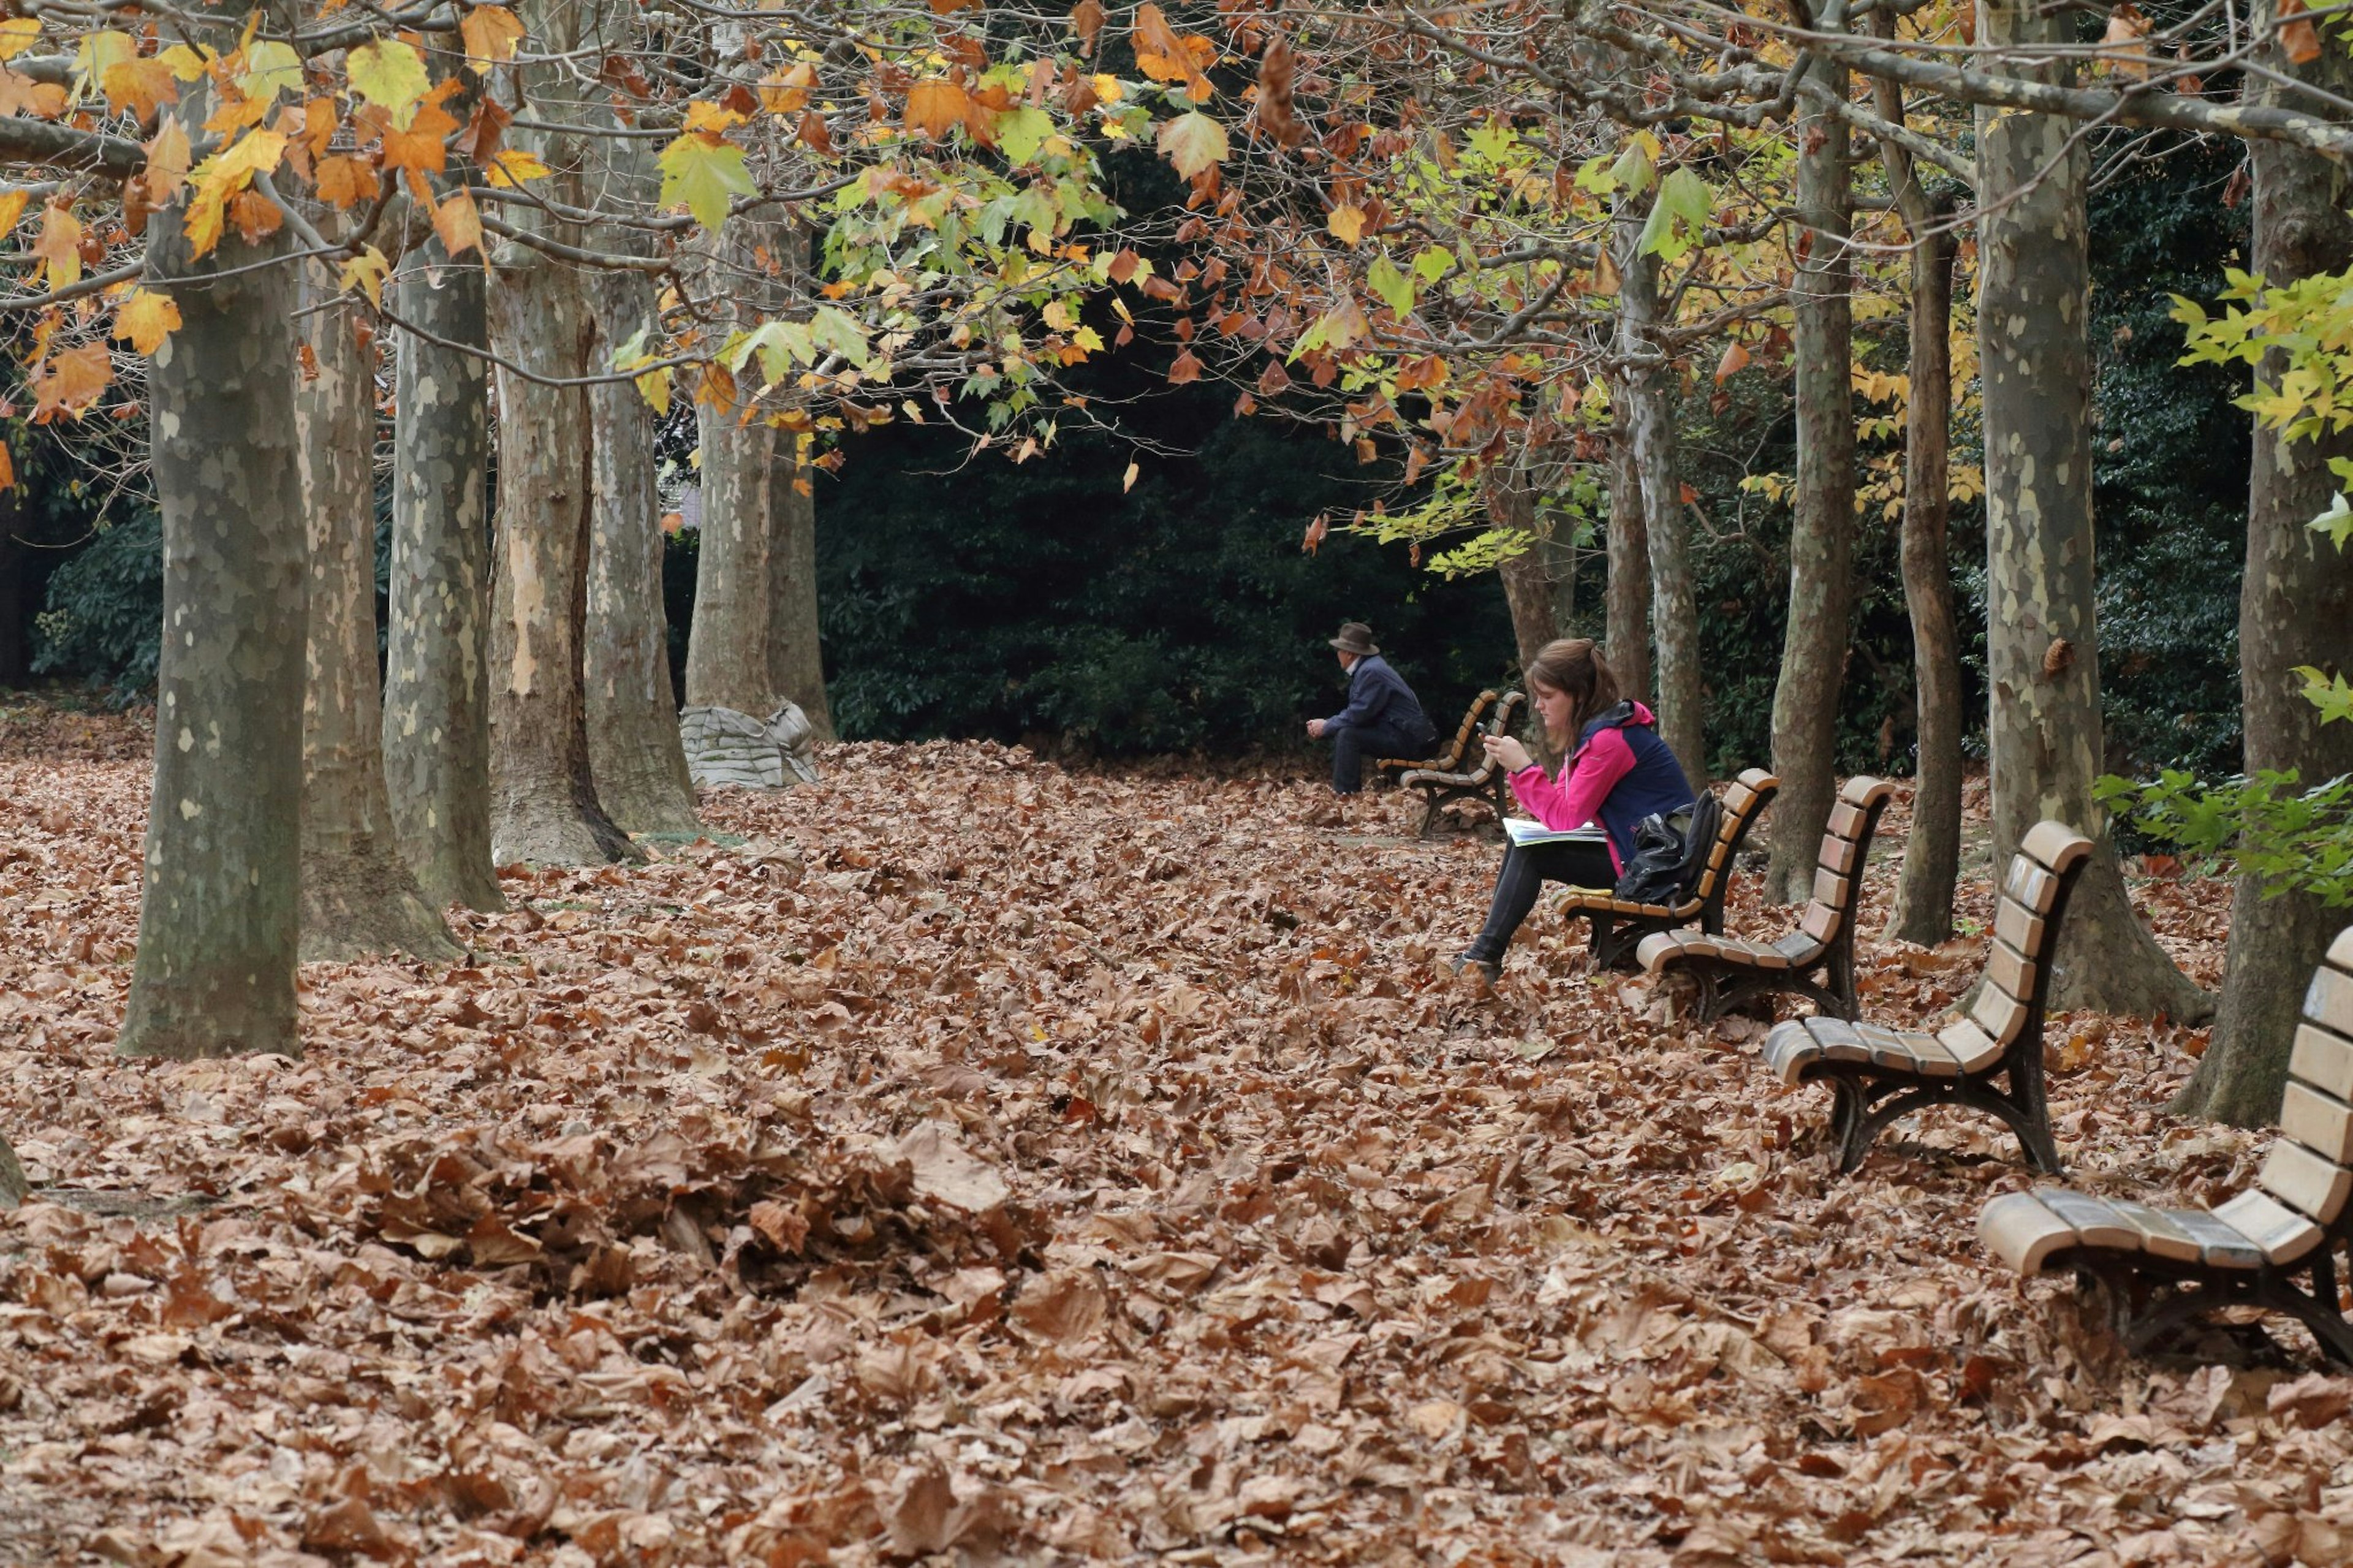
1163 56
936 106
2299 38
458 224
145 320
69 381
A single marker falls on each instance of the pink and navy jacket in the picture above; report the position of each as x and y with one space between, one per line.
1619 774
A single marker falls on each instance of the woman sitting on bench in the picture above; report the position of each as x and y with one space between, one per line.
1619 772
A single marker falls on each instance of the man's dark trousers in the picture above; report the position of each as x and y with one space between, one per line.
1351 745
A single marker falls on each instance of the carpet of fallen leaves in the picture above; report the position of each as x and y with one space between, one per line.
971 1159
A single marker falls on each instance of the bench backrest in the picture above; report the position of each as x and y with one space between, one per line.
1745 800
2307 1167
1451 758
1838 876
2027 916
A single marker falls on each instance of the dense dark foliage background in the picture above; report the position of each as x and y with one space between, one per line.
970 596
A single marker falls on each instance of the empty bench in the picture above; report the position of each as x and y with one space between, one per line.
1732 970
1991 1060
1619 925
1463 771
2273 1247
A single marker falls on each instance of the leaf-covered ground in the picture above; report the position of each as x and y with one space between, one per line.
966 1156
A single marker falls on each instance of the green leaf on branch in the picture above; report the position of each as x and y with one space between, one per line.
1678 217
390 75
1021 131
1395 288
2337 522
703 173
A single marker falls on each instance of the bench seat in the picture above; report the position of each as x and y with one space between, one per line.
1619 925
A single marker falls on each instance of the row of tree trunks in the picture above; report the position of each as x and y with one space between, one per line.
358 895
1814 644
727 662
1626 605
2042 646
2295 608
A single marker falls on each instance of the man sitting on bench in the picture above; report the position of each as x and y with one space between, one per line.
1382 717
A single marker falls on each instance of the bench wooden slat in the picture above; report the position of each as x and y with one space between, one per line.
2221 1245
1838 1039
1838 857
1798 947
2340 951
1821 922
1830 888
2095 1224
2010 969
2160 1235
2321 1122
2055 844
2305 1182
1971 1046
1907 1050
2323 1059
1998 1014
2019 1230
1863 790
2279 1233
2019 926
1847 819
2329 999
2031 885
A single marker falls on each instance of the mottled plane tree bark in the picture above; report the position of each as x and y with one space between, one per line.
218 920
1626 604
634 754
359 895
2042 646
1649 380
1932 852
2295 608
13 1188
437 739
1822 588
1510 497
794 647
543 804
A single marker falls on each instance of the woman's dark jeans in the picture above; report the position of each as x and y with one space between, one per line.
1578 863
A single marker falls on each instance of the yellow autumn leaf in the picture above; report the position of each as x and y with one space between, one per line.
12 208
366 273
270 68
1346 223
167 163
391 75
145 320
187 64
19 34
513 165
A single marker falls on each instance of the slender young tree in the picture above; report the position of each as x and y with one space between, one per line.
1627 604
437 737
2042 646
1932 851
2295 608
359 895
218 921
1822 588
793 645
1511 502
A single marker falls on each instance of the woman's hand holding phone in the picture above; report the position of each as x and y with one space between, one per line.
1507 750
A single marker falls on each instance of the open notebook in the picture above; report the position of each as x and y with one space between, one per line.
1528 830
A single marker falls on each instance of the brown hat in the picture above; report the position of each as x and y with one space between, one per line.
1355 637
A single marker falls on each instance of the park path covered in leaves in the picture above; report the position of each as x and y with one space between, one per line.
968 1156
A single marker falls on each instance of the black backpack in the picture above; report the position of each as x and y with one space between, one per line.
1671 854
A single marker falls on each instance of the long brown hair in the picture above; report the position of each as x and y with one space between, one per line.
1575 666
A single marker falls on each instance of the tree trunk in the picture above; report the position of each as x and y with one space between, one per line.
1649 405
727 662
793 645
633 753
1511 503
1626 626
437 745
13 1188
1931 854
2295 608
1821 590
2042 646
359 895
219 921
543 803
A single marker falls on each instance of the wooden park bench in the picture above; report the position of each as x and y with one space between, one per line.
1880 1074
1463 771
2273 1247
1732 970
1620 924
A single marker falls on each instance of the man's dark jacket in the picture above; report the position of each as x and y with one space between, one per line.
1379 697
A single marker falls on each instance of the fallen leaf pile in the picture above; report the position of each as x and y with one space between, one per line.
963 1158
